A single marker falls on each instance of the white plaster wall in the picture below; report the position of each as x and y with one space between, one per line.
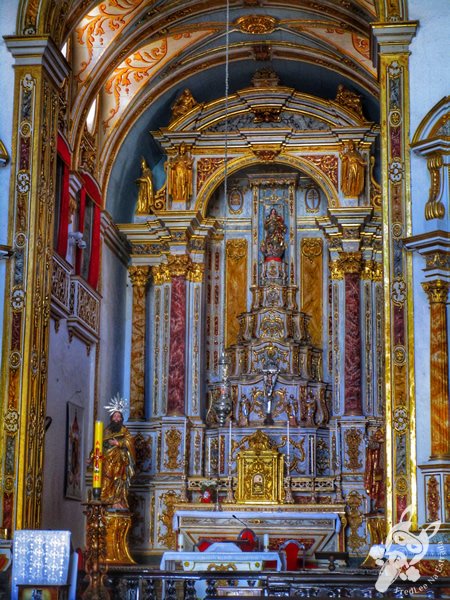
114 323
8 12
70 378
429 83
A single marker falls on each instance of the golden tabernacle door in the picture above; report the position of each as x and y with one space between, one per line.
260 472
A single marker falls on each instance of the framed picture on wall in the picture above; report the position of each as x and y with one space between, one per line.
74 452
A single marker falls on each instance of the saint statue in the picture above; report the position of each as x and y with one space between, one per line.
118 462
274 244
180 176
145 194
310 409
352 171
183 104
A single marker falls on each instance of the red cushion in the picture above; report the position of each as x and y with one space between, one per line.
203 545
248 540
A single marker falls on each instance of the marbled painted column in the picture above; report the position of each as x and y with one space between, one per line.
178 267
437 292
195 335
139 276
351 266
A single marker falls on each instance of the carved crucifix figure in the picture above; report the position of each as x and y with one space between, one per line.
270 375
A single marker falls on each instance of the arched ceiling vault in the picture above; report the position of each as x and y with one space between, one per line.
134 57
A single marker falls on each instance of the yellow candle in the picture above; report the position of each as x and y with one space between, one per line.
97 459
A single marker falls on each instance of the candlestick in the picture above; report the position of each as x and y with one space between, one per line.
229 448
180 542
288 442
185 439
97 460
266 542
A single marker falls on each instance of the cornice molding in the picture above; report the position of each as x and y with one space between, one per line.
38 50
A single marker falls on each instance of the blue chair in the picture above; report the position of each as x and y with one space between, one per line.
43 559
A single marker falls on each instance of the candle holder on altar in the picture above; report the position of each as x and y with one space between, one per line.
217 505
230 493
96 551
288 498
184 484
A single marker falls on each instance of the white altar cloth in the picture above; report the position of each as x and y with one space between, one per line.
203 561
247 515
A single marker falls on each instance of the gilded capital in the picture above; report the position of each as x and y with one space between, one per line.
161 274
372 270
437 291
179 265
195 272
336 271
348 262
139 275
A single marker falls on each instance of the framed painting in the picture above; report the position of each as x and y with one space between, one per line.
74 452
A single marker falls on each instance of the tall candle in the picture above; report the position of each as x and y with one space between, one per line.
97 460
288 441
229 448
185 438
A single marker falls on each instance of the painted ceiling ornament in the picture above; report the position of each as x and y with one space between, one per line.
256 24
117 404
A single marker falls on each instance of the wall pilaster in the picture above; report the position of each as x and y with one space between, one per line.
394 40
39 71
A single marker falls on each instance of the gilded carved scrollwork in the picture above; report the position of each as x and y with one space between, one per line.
355 520
172 441
161 274
353 438
433 499
167 507
434 208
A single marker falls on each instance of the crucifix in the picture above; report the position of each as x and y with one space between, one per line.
270 375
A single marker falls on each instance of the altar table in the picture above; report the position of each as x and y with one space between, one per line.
210 561
318 529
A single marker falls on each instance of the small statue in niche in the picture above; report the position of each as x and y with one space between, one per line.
145 194
352 171
244 411
274 245
310 409
180 175
292 410
183 104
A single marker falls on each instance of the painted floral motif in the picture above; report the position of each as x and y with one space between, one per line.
102 25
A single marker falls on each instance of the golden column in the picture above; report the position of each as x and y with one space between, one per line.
139 276
394 36
437 292
40 70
